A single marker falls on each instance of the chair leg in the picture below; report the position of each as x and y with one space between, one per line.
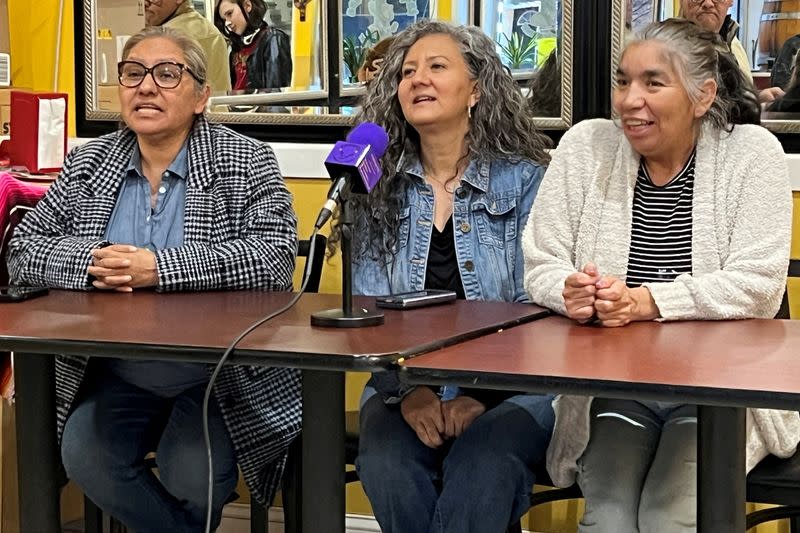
788 512
92 517
258 517
292 488
514 528
115 526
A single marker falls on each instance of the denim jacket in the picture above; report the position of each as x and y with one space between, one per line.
490 210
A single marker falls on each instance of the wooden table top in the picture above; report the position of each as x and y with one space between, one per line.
198 326
749 362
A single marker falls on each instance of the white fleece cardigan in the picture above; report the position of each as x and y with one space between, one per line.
741 232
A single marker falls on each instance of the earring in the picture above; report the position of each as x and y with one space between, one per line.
469 111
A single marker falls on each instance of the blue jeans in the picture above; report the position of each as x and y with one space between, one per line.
479 482
116 424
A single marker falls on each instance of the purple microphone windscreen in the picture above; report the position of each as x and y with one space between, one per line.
359 157
371 134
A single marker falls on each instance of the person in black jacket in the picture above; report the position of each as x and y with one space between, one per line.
261 55
790 101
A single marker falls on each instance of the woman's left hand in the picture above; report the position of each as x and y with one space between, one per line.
459 413
618 305
122 267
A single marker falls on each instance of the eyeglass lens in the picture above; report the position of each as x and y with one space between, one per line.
166 75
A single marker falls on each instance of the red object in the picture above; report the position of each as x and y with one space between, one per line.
38 131
16 198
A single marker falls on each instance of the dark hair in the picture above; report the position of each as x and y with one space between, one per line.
377 51
545 88
255 20
501 126
697 55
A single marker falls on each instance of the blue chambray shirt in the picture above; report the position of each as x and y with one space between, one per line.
491 207
133 221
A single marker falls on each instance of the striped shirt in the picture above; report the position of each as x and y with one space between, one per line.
661 230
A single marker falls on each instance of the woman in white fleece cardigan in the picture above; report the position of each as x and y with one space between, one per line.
680 211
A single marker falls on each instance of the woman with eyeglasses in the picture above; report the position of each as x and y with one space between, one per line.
261 55
171 203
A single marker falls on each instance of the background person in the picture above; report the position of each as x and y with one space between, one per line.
789 102
713 16
181 16
681 211
781 73
460 174
261 55
545 88
373 60
191 206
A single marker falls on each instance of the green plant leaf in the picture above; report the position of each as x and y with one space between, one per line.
516 51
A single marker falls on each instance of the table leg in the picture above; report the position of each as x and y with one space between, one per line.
721 478
323 452
37 449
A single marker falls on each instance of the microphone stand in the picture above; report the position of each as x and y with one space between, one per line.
346 317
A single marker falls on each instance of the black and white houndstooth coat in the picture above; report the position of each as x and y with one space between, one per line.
240 233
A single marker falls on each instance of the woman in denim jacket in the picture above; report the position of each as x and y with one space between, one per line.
460 175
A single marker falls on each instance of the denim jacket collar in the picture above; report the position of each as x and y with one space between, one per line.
476 173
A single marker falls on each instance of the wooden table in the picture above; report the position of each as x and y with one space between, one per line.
721 366
198 327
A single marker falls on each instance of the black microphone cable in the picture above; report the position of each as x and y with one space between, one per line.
228 351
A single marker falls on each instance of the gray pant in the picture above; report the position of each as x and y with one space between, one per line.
639 471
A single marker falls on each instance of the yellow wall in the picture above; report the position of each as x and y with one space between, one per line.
33 48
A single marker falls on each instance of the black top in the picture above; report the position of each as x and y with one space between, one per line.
442 270
442 273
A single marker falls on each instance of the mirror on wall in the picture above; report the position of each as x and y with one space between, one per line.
534 39
525 31
275 64
764 35
530 35
367 29
267 60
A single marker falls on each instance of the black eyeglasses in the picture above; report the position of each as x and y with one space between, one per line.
698 2
166 75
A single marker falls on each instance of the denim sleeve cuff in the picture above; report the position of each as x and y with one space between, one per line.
404 391
390 388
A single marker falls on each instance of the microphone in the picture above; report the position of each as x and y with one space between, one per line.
354 162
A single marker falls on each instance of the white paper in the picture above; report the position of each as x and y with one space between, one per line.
52 132
121 40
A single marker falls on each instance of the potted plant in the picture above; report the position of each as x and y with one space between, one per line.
516 51
354 50
353 56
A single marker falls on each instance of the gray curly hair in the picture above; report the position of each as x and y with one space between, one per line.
501 126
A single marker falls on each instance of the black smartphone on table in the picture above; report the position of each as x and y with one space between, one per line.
21 293
412 300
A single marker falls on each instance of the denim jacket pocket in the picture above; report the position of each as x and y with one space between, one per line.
495 221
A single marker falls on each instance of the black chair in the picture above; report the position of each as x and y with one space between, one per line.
777 481
93 515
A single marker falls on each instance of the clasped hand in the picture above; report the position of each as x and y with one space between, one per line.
122 267
435 421
588 295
